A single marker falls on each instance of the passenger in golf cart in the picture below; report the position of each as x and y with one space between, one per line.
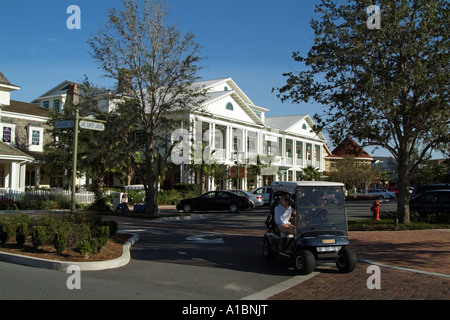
319 227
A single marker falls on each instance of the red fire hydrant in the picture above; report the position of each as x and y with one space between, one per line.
376 210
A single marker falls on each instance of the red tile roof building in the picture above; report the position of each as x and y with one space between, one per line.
347 148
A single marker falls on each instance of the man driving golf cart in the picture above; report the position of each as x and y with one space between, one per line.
319 230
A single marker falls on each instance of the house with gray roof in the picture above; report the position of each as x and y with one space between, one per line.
22 138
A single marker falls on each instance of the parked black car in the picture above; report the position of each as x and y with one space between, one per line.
434 201
215 200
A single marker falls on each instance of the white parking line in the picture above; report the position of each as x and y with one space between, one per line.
280 287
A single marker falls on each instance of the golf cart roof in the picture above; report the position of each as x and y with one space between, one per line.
291 186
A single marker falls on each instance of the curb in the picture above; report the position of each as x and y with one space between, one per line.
64 265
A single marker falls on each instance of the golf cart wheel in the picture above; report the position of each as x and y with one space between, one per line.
304 261
346 260
187 208
234 208
267 250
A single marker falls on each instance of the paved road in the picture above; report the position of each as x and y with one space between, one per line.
361 209
168 262
215 256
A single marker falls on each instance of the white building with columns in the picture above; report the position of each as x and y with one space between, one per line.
236 133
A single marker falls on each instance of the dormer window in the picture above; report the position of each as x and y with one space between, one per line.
56 104
229 106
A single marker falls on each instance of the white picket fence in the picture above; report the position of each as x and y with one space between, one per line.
80 197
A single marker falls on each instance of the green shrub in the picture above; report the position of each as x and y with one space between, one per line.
60 242
84 247
46 201
6 204
21 233
6 230
135 196
187 188
38 236
99 205
103 235
96 245
112 225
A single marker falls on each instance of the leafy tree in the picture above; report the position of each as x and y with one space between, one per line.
430 174
98 152
385 86
354 174
157 65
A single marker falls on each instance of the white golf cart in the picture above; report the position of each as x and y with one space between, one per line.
321 233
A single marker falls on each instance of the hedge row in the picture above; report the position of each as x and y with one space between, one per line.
85 232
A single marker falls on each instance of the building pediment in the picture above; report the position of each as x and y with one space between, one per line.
225 99
299 125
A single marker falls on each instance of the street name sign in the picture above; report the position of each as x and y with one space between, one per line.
91 125
64 124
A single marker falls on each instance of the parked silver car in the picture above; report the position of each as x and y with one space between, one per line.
253 199
378 193
264 192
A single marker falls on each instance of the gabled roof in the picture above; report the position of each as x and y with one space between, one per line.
6 84
349 148
11 153
287 122
245 103
58 89
61 89
26 108
284 122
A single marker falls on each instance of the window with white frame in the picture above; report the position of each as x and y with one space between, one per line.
7 132
35 138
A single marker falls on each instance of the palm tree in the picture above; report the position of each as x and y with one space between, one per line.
310 173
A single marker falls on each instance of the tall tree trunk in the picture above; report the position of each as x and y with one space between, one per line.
403 190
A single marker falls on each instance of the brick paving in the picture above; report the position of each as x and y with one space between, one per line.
424 250
329 284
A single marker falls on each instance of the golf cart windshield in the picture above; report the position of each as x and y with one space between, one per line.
320 208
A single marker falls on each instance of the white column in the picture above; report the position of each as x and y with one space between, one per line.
14 176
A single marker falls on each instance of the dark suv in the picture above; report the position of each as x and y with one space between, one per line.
434 201
427 187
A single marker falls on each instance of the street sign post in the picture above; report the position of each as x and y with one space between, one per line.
91 125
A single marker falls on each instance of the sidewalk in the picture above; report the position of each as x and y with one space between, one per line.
414 265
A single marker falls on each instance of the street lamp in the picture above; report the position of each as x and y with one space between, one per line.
237 167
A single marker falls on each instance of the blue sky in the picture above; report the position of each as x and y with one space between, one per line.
250 41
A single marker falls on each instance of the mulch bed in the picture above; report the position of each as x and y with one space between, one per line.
112 250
